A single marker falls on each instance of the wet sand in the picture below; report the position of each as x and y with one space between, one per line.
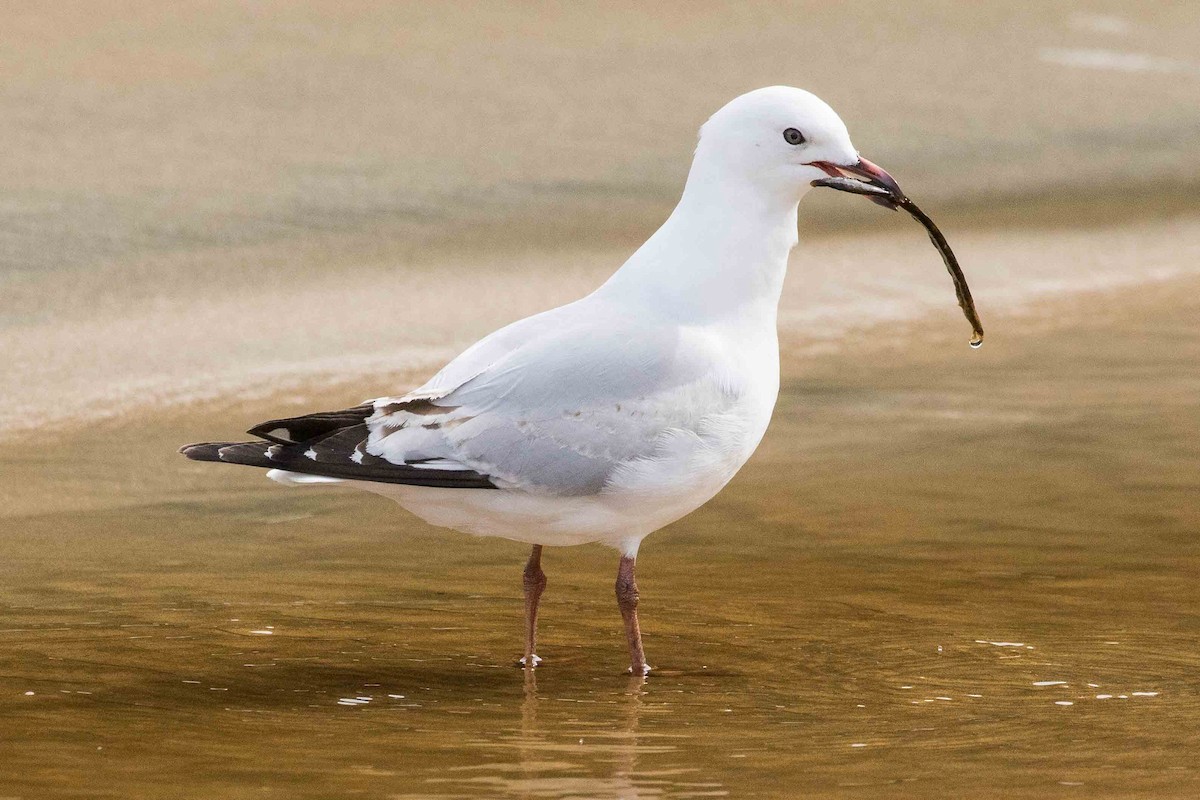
886 599
384 328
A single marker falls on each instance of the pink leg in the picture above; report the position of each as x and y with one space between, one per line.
535 584
627 600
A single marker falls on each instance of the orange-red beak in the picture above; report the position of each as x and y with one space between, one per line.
873 173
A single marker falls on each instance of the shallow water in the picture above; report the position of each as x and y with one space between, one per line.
977 582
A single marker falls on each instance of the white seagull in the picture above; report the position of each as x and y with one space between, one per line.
607 418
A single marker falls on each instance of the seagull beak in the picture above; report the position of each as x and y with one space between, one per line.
873 173
876 175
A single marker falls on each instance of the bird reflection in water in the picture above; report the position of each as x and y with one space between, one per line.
548 758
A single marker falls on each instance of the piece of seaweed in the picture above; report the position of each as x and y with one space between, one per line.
887 197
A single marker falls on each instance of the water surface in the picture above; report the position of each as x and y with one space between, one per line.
960 573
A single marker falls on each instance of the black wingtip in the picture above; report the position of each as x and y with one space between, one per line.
300 430
203 451
274 431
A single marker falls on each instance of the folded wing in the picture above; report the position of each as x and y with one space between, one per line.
533 408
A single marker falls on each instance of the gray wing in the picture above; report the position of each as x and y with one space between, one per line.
553 404
559 413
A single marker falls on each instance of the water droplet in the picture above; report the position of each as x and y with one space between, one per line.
976 342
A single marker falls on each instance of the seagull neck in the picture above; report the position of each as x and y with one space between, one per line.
721 254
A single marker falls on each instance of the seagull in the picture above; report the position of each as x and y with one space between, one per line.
612 416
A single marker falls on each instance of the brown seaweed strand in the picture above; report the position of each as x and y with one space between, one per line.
960 281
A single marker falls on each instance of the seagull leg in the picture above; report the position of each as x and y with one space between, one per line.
627 601
535 584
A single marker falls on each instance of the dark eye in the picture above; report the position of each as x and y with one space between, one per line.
793 136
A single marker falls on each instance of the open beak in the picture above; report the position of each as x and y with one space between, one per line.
872 173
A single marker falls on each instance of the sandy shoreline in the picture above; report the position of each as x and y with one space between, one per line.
199 203
127 457
211 341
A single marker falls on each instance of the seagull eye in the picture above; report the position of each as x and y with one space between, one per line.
793 136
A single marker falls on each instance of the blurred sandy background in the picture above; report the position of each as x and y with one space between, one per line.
206 196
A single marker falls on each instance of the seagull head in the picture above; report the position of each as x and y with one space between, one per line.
779 139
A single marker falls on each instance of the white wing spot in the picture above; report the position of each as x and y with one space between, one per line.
310 453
